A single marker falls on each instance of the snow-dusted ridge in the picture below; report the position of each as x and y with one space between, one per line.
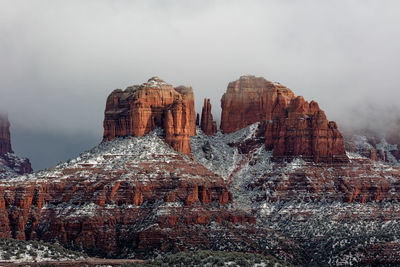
363 145
17 162
110 155
224 158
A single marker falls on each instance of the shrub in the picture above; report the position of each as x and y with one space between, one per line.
7 256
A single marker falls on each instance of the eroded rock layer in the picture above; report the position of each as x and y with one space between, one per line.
252 99
291 126
141 108
132 194
208 125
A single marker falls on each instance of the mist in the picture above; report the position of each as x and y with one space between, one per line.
61 59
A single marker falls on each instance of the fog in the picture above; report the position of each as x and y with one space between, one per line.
60 59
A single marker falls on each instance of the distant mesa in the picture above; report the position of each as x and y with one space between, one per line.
10 164
139 109
291 126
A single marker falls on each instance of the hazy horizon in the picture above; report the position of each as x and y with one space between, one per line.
61 59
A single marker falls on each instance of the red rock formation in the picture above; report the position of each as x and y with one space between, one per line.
140 109
367 149
5 140
292 126
252 99
208 125
303 130
7 157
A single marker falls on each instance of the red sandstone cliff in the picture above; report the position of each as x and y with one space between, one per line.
252 99
208 125
292 126
141 108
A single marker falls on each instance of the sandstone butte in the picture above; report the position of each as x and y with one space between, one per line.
208 125
139 109
291 126
7 156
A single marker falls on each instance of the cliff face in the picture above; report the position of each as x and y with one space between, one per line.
208 125
291 126
10 164
303 130
252 99
141 108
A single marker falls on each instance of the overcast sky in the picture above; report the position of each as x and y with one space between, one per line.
60 59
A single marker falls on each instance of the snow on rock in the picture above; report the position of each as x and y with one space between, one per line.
133 190
372 147
222 158
341 214
17 251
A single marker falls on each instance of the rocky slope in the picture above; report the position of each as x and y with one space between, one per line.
139 109
335 214
374 147
124 196
291 126
10 164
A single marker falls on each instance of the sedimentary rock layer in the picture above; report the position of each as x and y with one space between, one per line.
141 108
291 126
135 194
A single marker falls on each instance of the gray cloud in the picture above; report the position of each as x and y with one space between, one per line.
60 59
